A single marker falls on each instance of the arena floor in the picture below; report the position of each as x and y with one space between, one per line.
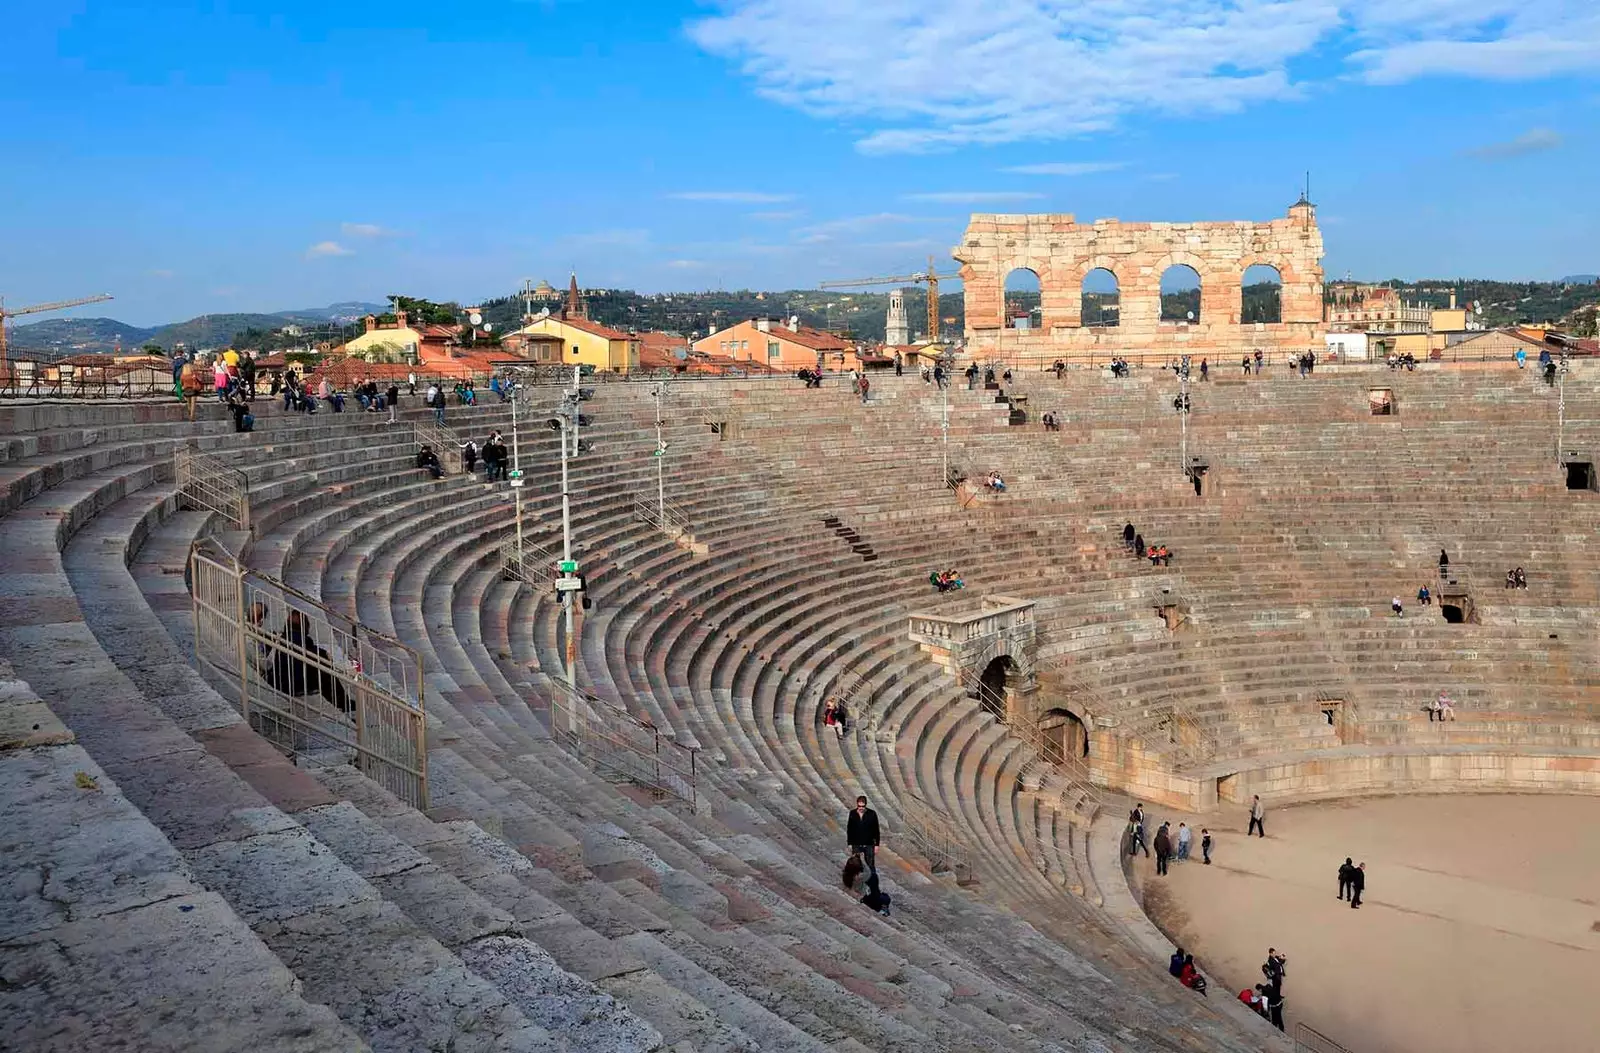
1479 930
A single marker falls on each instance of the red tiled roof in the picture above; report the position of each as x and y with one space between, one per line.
805 336
595 328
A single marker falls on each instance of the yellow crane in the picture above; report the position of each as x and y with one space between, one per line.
929 277
7 313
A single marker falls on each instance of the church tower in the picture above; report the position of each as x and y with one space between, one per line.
896 332
575 307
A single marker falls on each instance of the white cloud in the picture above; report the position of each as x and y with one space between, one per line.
974 197
834 228
937 74
366 230
743 197
1532 141
1067 168
685 265
327 248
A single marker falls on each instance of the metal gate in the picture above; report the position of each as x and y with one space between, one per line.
323 688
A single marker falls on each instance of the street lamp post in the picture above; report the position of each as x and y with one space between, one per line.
1561 404
516 464
1183 413
661 456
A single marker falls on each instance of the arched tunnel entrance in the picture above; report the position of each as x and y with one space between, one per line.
992 684
1064 731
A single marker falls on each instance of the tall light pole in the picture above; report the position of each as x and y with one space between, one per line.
1183 413
566 553
516 462
1561 404
945 360
661 456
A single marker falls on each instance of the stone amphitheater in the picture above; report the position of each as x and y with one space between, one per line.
182 875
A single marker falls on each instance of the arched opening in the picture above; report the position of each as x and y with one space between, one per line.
1261 295
1180 294
1022 299
992 685
1102 299
1065 737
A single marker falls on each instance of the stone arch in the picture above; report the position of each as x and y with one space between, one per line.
999 673
1181 287
1261 294
1100 302
1022 290
1066 732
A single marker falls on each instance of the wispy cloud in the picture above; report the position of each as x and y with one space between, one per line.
366 230
1067 168
685 265
1042 70
737 197
615 237
324 249
974 197
1532 141
845 226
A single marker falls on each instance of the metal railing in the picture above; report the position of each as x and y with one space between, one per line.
935 838
41 380
531 562
444 442
210 483
1308 1039
320 686
614 741
1167 730
674 523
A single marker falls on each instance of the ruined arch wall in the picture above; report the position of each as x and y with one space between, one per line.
1061 251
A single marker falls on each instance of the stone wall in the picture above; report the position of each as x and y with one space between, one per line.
1062 252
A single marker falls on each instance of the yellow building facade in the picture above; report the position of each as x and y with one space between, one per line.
587 343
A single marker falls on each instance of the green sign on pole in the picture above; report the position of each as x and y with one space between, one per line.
568 566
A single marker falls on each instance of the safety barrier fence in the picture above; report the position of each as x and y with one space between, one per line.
527 561
321 687
40 380
442 440
212 484
1308 1039
1167 730
1046 750
614 741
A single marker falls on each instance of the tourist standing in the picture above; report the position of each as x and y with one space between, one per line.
1258 815
1358 883
1205 846
861 831
1345 870
1163 849
1185 835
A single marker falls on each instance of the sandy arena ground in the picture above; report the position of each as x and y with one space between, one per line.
1479 929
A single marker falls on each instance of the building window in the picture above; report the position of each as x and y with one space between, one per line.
772 349
744 345
574 348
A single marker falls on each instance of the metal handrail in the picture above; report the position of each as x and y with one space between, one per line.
1308 1039
212 484
529 561
1166 729
1046 751
936 839
51 380
675 522
613 740
442 439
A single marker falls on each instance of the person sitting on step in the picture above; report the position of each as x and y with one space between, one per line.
426 458
1521 578
994 483
1424 597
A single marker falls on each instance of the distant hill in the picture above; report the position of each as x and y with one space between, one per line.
76 335
1580 279
100 335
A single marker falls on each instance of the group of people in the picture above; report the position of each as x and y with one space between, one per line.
1247 361
1267 998
1133 541
1119 368
811 378
946 580
1306 362
994 482
1169 844
1052 421
1516 579
1352 882
1442 708
1407 362
861 869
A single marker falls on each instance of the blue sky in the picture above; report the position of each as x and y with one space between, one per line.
255 155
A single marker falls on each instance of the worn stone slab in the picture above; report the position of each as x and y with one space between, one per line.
26 723
278 874
180 975
585 1016
196 800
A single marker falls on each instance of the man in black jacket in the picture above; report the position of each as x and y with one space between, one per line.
862 833
1345 871
1358 882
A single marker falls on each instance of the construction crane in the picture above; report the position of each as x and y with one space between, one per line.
929 277
6 313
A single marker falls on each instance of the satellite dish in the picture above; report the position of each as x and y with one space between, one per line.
475 318
1191 315
488 327
544 312
680 353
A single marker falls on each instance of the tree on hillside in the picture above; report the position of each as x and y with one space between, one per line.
424 311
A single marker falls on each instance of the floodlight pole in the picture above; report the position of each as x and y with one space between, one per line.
516 465
566 551
1183 413
577 373
945 360
1561 405
661 456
